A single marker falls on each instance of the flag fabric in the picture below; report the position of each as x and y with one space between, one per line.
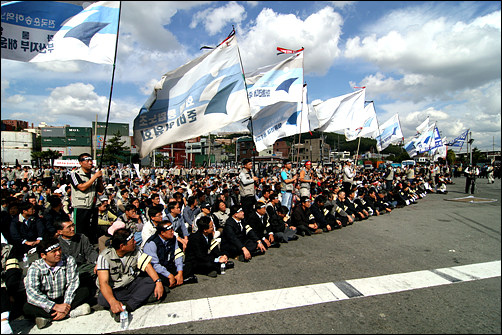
424 140
437 141
42 31
276 94
390 133
337 114
299 122
280 120
201 96
423 126
280 82
410 147
268 124
459 140
364 124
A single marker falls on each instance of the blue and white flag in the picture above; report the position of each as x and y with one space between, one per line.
459 140
273 83
390 133
338 113
424 141
437 141
42 31
364 124
269 124
201 96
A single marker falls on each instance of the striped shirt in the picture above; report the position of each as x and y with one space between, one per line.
45 284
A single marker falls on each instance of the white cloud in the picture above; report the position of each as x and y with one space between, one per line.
215 20
15 99
319 34
437 56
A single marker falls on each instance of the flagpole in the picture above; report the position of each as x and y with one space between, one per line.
111 89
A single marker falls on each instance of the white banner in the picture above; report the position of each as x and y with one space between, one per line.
337 114
390 133
365 124
42 31
280 82
199 97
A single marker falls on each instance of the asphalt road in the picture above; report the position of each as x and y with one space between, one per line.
431 234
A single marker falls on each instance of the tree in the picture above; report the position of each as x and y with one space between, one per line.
451 158
43 157
115 151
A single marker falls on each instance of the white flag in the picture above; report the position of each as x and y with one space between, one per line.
365 124
423 142
279 82
423 126
201 96
390 133
269 123
42 31
336 114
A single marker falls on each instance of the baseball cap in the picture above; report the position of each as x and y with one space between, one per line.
116 226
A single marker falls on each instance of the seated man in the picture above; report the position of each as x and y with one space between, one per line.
121 278
279 220
321 214
54 213
79 247
26 230
53 288
238 240
259 221
303 219
341 203
353 207
166 255
203 255
180 229
132 221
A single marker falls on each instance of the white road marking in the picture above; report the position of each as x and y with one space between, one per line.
264 301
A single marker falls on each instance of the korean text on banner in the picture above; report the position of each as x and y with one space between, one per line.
42 31
201 96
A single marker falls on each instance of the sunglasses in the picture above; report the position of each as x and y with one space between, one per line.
86 159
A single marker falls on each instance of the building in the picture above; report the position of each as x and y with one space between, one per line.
14 125
315 150
17 147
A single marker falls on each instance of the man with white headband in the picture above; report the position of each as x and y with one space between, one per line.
53 288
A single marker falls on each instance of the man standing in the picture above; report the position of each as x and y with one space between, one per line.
471 173
389 178
84 188
348 176
287 184
305 179
246 186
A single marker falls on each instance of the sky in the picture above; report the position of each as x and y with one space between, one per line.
440 60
